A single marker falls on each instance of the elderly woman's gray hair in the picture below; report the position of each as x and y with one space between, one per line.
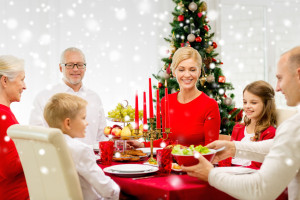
11 66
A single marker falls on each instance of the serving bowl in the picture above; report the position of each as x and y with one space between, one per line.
190 160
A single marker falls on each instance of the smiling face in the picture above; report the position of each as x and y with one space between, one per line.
78 124
187 73
15 87
73 76
288 81
252 105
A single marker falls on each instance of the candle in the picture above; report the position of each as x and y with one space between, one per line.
136 111
144 113
166 106
150 100
157 108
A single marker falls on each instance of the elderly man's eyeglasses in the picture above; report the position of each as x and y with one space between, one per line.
72 65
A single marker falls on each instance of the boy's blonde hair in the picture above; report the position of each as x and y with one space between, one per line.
185 53
61 106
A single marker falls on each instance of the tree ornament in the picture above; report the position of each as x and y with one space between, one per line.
198 39
166 75
180 18
199 14
214 45
168 70
213 60
186 28
193 6
222 79
209 49
207 61
210 78
202 80
228 101
160 85
203 7
191 37
221 91
182 44
206 28
172 48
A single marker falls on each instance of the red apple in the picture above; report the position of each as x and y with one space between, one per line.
107 130
114 126
116 131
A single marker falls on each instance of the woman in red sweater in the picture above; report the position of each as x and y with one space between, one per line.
194 117
12 180
259 121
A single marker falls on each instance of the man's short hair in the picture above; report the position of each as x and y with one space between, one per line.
71 49
61 106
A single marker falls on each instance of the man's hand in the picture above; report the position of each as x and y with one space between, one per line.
135 144
201 170
229 150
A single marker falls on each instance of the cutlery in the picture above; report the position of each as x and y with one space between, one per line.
142 177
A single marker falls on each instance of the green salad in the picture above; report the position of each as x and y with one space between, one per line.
178 150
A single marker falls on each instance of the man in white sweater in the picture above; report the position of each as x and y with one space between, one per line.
280 156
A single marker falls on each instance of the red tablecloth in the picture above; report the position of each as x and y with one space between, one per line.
174 186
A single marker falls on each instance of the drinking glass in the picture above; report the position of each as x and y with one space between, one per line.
106 152
164 161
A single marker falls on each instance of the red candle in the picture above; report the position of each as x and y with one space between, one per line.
150 100
144 112
157 108
166 106
136 111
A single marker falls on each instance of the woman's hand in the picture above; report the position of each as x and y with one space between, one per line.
135 144
201 170
229 150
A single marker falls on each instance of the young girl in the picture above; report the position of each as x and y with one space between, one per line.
260 118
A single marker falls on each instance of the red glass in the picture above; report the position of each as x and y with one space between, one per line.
164 161
106 152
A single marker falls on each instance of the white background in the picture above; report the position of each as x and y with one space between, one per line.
123 42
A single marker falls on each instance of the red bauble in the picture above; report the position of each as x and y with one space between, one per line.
214 45
206 28
160 85
182 44
200 14
222 79
168 70
180 18
214 60
198 39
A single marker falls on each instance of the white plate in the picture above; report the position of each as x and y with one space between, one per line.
176 170
149 170
130 168
147 150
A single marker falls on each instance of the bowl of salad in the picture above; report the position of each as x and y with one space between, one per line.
188 156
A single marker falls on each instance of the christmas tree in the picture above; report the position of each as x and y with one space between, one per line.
190 27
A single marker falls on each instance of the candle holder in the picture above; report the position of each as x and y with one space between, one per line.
158 133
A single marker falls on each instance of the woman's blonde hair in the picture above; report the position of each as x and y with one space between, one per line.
267 118
10 66
185 53
61 106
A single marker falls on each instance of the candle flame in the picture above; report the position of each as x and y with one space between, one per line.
166 85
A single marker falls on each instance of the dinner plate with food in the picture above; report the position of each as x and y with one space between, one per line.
129 156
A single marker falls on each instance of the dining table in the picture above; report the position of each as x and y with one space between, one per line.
177 185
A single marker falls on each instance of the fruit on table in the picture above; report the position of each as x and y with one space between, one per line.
116 131
107 130
125 133
124 114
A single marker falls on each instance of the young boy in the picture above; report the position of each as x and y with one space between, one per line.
67 112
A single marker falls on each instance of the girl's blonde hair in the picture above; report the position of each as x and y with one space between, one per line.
61 106
185 53
10 66
267 118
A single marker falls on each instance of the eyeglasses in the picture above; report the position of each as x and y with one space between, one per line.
72 65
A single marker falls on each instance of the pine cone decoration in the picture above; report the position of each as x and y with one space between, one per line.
207 62
209 49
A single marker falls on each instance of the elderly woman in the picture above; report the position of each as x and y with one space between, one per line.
12 179
194 117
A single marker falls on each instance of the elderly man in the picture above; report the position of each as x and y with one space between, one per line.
73 67
280 156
